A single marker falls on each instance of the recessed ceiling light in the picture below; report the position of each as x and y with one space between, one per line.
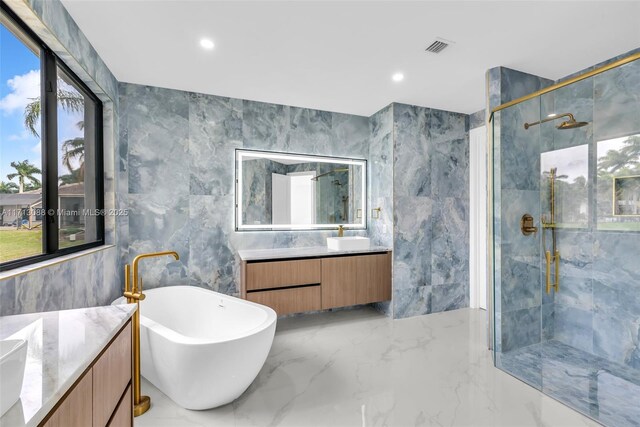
397 77
207 44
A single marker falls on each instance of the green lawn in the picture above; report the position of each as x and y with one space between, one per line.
15 244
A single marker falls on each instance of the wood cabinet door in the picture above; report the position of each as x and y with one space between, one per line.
338 282
373 279
76 409
111 375
123 417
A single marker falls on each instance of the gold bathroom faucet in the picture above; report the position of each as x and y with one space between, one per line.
133 293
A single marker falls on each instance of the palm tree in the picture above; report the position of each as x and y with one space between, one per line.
71 178
627 158
613 161
25 172
74 150
72 102
8 187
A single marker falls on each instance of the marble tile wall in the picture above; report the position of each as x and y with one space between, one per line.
518 289
93 279
477 119
598 308
430 210
418 161
86 281
381 176
180 157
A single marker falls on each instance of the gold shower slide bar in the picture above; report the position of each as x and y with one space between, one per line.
557 284
547 255
556 261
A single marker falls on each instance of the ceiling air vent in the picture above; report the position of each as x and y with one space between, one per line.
438 45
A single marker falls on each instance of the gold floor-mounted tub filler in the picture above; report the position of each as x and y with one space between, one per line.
133 293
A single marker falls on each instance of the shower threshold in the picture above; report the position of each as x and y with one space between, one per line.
606 391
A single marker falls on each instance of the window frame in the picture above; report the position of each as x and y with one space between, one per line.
49 64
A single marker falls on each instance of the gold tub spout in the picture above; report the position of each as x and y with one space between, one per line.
133 293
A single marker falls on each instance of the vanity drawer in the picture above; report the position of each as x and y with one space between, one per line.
279 274
111 376
123 415
292 300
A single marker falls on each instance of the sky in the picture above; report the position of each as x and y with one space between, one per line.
19 83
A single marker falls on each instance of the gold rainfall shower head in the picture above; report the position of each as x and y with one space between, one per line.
571 123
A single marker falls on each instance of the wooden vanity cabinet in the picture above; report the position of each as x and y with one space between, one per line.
299 285
353 280
102 396
373 278
339 282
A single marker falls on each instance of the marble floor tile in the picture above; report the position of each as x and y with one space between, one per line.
360 368
606 391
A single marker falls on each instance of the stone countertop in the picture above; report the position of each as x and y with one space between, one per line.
61 346
309 252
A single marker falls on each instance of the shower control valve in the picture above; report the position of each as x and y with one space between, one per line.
526 225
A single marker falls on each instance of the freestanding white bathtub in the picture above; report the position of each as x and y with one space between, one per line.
201 348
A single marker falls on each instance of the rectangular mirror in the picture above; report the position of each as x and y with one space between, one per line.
282 191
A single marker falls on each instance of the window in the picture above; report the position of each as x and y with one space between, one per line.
51 189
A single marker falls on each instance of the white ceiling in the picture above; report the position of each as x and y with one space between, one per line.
339 56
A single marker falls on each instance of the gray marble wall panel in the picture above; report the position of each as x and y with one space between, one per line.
93 279
180 160
431 210
616 297
85 281
515 84
427 199
518 293
477 119
600 64
381 176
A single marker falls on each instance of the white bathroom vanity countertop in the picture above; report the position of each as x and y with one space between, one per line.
309 252
61 346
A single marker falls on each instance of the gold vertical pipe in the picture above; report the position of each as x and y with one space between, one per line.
127 282
141 403
557 264
552 190
548 272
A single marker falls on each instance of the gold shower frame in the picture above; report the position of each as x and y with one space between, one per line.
490 148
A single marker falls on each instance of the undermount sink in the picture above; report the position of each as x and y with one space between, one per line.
13 356
351 243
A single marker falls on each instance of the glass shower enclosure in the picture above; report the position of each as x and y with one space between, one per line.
566 243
